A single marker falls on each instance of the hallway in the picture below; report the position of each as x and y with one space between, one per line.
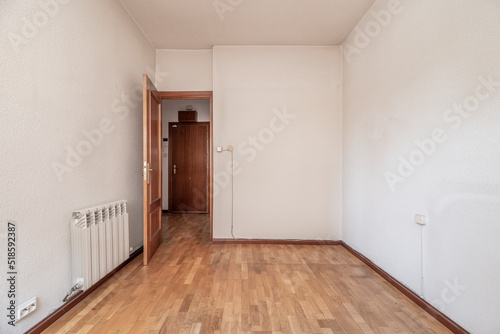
193 286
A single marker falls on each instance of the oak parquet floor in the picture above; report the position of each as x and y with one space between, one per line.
193 286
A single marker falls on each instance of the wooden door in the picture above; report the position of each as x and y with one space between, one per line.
189 167
152 207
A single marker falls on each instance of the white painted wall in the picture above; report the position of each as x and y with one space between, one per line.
84 64
288 178
399 86
170 109
184 70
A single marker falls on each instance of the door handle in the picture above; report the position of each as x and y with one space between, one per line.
146 171
175 169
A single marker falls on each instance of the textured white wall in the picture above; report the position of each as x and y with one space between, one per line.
78 66
280 109
169 111
184 70
405 81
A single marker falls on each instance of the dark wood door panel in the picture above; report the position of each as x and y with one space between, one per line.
189 167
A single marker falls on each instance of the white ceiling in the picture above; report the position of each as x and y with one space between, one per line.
201 24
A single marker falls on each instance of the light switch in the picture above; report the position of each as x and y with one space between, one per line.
219 148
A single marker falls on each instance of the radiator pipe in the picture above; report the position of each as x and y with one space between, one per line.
76 287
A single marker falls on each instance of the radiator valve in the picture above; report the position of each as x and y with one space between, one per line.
75 288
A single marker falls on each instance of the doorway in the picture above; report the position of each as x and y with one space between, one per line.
201 133
152 147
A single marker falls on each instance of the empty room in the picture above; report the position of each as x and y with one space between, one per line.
250 166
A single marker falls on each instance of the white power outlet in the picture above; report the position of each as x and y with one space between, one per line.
420 219
25 308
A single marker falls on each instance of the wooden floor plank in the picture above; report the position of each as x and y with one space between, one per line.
194 286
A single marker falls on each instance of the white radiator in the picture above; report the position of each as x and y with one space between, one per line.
99 241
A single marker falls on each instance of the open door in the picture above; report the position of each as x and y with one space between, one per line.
152 201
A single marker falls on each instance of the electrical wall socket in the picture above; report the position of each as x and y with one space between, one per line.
420 219
25 308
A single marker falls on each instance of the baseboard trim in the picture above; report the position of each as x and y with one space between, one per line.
278 242
434 312
51 318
